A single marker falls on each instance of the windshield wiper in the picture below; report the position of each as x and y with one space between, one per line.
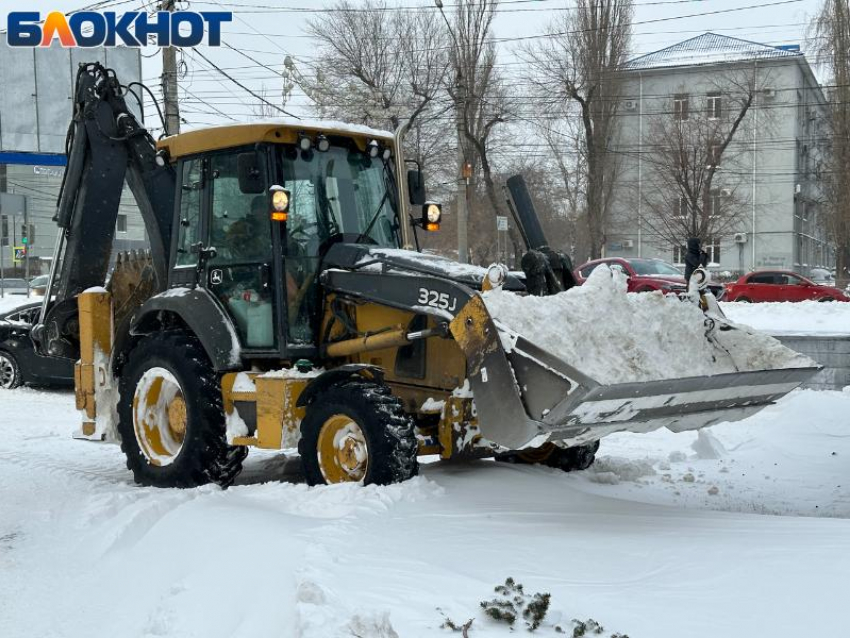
377 214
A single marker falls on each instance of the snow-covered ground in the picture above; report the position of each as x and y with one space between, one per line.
10 302
660 539
801 318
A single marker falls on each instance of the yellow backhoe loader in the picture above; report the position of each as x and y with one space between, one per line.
283 305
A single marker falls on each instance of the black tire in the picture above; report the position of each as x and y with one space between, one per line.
10 371
826 299
576 458
569 459
204 456
389 433
744 300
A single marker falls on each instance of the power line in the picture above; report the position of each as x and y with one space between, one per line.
243 87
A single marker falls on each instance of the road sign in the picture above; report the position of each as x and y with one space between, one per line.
501 222
19 253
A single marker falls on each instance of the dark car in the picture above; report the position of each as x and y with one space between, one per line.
19 361
644 275
780 285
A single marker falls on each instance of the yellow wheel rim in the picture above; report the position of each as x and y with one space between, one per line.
159 416
342 450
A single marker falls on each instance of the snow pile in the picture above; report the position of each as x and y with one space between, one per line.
707 446
619 337
801 318
610 470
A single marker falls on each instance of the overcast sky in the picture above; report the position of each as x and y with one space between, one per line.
260 29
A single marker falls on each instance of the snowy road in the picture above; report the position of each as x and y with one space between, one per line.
641 543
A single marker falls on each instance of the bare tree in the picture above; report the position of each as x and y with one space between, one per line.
832 42
578 70
263 108
693 167
378 66
482 103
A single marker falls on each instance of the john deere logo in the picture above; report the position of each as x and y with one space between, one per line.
132 28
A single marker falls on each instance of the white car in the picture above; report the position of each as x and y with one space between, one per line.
822 277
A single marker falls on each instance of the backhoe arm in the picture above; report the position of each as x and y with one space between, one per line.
106 146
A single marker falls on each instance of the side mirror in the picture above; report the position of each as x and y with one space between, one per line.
416 187
249 168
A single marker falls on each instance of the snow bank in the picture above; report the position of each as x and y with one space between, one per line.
618 337
802 318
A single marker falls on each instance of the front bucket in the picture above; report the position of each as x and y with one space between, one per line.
554 401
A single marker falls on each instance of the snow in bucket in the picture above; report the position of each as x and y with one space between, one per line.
615 336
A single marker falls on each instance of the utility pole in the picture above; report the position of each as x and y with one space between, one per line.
462 198
169 82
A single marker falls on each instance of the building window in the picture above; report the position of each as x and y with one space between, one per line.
680 107
714 153
712 247
715 106
714 203
682 210
713 250
4 231
121 224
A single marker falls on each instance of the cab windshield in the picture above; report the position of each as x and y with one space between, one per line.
341 192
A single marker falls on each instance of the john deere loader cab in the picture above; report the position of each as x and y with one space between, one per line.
253 224
282 306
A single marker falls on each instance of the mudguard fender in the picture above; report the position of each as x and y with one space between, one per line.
329 378
202 314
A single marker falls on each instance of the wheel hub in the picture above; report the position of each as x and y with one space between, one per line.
7 372
159 416
343 451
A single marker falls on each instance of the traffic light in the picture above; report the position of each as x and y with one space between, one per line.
27 234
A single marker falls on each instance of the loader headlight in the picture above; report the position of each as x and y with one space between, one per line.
323 143
280 204
373 149
432 214
304 143
496 275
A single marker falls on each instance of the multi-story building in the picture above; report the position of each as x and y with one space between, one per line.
766 190
36 87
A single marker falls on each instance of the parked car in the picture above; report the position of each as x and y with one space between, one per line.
38 285
19 361
822 277
644 275
780 285
13 286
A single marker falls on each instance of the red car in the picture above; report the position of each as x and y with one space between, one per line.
645 275
780 285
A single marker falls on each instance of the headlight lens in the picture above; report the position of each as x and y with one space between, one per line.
433 213
280 201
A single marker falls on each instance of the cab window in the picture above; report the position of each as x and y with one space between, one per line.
240 231
240 228
189 233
